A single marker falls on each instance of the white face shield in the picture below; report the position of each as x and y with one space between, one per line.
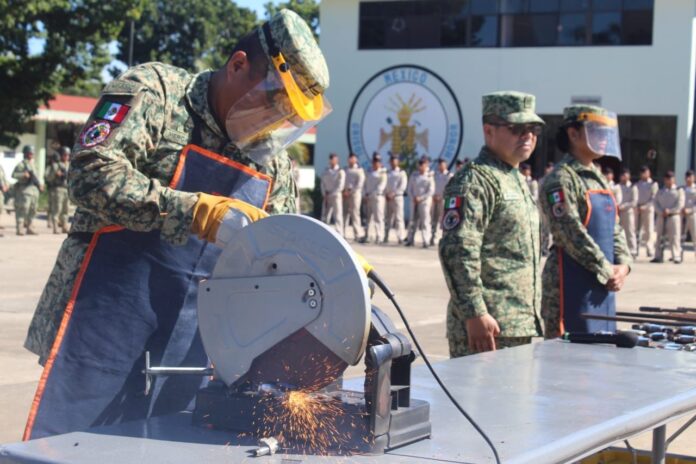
273 114
602 133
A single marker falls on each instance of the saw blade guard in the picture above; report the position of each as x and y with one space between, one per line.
288 302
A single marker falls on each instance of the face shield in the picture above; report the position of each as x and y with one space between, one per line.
602 134
273 114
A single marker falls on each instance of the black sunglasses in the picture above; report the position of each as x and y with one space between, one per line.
521 129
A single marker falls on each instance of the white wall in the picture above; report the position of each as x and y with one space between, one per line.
631 80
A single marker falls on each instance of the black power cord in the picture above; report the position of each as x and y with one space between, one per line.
389 294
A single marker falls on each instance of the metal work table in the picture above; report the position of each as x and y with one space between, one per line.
543 403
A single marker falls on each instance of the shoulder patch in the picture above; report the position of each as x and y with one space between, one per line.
122 87
452 217
95 133
559 209
112 111
556 196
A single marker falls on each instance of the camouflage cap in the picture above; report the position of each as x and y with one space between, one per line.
28 149
572 113
293 38
513 107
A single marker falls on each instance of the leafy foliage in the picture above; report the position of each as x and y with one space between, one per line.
191 34
75 36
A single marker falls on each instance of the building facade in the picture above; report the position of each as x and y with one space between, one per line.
407 76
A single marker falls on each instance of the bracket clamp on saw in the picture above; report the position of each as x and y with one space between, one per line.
285 312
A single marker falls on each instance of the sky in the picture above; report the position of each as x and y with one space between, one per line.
256 5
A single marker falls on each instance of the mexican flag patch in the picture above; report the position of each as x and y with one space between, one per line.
453 202
556 196
114 112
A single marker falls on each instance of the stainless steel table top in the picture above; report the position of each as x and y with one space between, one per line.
546 402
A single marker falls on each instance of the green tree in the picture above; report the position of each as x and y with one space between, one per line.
191 34
307 9
74 36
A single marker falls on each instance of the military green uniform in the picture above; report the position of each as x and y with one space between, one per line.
490 252
57 183
566 223
120 175
26 193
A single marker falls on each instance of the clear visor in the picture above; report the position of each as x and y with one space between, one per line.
275 112
602 134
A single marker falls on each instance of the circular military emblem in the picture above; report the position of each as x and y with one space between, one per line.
95 133
451 219
558 209
405 110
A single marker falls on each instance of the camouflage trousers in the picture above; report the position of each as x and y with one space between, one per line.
59 206
551 296
26 201
458 345
56 294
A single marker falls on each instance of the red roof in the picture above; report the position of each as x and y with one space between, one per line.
71 103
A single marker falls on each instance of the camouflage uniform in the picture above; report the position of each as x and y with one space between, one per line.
124 179
568 231
26 195
57 181
489 250
491 257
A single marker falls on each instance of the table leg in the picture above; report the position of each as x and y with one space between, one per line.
659 450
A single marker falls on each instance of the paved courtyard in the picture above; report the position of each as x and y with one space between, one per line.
413 273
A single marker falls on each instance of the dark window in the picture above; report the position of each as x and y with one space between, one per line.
543 6
636 27
484 31
529 30
638 4
504 23
484 6
574 5
606 5
606 29
572 29
513 6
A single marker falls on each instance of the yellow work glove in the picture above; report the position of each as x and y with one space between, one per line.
210 211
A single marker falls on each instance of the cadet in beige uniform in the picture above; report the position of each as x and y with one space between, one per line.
396 187
442 176
615 188
669 203
689 210
532 184
420 190
352 195
627 210
647 189
375 183
332 184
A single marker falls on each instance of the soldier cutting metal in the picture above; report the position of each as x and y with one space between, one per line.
589 260
167 163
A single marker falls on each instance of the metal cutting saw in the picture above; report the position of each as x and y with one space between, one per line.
285 312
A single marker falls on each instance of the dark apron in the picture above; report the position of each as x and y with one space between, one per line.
136 293
580 290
